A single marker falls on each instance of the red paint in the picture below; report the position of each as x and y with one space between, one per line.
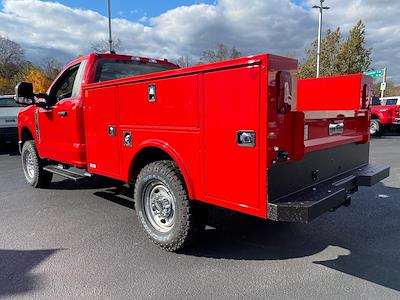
332 93
195 118
332 100
387 114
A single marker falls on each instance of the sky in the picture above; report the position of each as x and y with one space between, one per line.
169 28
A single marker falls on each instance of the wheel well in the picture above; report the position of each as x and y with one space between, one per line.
145 157
26 135
374 117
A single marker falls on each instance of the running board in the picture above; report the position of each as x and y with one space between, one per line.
66 172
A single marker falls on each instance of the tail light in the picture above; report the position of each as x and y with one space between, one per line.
284 92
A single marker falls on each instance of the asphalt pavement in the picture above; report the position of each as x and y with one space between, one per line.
82 241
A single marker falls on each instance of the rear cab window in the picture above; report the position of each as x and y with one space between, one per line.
109 69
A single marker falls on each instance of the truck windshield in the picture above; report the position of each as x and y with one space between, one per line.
9 102
109 69
391 101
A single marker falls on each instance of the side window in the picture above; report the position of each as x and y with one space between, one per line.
68 85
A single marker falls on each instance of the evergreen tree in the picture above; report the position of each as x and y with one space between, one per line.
330 50
338 56
354 56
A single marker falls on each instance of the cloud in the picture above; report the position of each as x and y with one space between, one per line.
382 28
254 26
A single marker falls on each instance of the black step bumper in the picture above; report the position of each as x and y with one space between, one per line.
306 205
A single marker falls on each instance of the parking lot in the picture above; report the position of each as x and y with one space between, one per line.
82 240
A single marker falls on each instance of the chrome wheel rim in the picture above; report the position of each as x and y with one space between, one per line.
159 206
29 165
373 128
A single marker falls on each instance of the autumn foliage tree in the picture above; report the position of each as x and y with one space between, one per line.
38 78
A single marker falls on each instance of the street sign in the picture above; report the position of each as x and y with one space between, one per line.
383 86
374 73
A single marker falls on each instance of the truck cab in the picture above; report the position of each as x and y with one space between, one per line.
57 123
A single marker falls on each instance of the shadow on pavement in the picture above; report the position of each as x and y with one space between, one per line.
369 235
120 195
15 270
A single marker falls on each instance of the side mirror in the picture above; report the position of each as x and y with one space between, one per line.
24 93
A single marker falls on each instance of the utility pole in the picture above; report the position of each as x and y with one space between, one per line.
321 8
109 27
383 84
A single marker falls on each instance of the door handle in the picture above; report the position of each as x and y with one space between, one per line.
62 113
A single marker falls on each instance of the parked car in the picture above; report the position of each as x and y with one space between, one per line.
385 115
9 119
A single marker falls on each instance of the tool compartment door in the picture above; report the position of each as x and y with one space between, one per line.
102 134
232 160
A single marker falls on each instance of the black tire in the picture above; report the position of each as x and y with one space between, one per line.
32 165
375 127
161 181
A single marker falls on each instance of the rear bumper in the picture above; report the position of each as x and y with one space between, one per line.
306 205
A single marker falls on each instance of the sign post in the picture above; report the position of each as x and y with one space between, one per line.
379 73
383 85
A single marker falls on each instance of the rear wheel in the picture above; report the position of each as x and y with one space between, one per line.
375 128
169 218
32 165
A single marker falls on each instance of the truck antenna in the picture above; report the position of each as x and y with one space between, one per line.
109 28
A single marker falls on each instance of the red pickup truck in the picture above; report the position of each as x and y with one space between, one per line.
230 134
385 114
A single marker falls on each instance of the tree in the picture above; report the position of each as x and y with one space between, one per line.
185 61
354 56
38 78
51 68
12 58
221 53
330 45
12 63
391 89
338 56
5 86
103 46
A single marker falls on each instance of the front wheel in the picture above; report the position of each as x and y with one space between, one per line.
375 128
163 207
32 165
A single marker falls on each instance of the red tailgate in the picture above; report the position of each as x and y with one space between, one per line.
336 110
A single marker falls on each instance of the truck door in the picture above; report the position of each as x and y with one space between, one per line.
232 148
60 126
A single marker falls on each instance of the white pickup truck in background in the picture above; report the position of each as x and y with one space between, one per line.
8 119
